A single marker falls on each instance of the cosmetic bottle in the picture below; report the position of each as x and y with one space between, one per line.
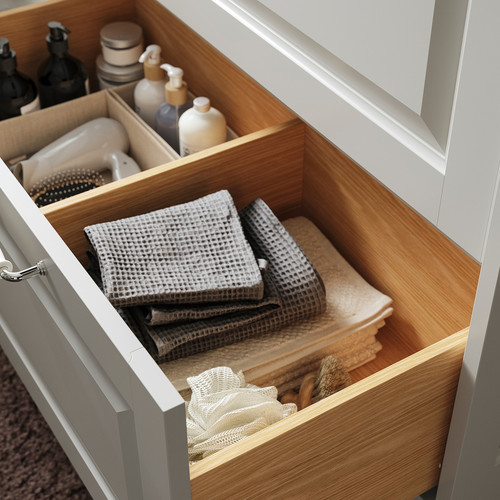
18 93
61 77
177 102
149 93
201 127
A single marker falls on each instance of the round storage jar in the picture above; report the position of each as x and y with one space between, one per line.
110 76
122 43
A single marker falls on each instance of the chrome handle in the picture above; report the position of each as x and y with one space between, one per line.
7 274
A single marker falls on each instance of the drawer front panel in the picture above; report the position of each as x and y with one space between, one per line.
78 389
102 396
383 437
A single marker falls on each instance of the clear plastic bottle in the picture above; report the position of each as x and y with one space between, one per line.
61 77
18 93
149 93
201 127
177 102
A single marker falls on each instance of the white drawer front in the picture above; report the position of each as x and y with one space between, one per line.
117 416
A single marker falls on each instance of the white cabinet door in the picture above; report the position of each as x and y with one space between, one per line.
118 418
471 466
409 90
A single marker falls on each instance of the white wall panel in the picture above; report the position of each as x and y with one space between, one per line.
431 158
386 41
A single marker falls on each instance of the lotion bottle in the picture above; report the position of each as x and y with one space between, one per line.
177 102
18 94
149 93
201 127
61 77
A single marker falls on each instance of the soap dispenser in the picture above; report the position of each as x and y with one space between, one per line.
177 102
18 94
201 127
149 93
61 77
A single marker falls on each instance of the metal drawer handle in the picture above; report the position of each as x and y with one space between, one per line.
7 274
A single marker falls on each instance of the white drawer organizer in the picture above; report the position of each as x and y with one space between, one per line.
116 414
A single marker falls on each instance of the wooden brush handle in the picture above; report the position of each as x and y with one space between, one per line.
306 389
290 397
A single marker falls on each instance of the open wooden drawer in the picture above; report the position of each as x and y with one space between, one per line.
117 416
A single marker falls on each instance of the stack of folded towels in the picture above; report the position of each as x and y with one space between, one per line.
198 276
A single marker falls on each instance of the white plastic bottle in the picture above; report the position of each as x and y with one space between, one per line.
149 93
176 103
201 127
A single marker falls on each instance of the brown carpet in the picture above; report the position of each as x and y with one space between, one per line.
32 464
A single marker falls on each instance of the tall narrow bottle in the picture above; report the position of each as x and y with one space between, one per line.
18 93
149 93
177 102
61 77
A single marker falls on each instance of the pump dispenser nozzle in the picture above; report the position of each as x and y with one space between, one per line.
175 75
151 58
57 39
151 55
5 51
176 87
57 31
8 61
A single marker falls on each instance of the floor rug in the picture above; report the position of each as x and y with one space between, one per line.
32 463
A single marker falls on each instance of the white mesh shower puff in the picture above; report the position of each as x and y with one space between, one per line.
224 409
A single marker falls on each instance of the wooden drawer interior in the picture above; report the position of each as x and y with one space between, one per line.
280 159
431 282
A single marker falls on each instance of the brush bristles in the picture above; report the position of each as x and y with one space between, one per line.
62 185
331 378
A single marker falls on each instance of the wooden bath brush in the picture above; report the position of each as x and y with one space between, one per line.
330 378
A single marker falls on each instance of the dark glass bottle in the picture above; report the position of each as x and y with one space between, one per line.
61 77
18 94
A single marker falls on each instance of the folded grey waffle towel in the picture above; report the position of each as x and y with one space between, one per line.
297 283
189 253
155 315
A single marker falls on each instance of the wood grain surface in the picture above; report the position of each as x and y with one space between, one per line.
265 164
431 281
380 438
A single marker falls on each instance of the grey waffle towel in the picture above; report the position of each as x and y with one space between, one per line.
300 289
189 253
155 315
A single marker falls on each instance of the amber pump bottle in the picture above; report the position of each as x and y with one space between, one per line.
61 77
18 93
